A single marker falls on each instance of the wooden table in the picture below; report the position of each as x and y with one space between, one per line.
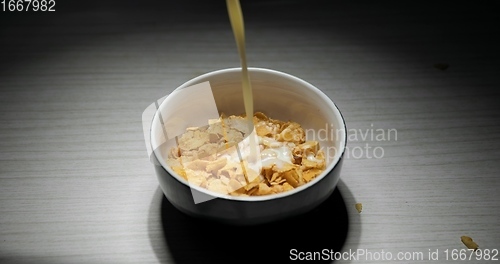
76 185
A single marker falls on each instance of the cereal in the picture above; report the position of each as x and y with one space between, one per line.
216 157
359 207
469 243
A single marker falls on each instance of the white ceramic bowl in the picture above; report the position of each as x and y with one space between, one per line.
279 96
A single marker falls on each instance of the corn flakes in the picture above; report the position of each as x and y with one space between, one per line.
359 207
469 243
212 157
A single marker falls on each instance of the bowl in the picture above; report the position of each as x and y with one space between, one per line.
280 96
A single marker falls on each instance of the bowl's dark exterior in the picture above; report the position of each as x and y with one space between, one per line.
238 212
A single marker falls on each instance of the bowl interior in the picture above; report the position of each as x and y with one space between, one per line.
276 94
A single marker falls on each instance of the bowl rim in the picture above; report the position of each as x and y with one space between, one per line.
296 190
